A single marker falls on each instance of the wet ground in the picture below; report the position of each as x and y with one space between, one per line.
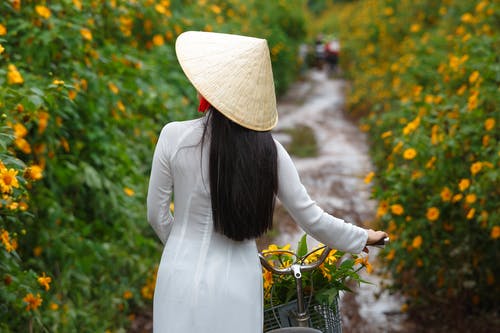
335 180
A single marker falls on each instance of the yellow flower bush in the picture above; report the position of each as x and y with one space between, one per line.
85 87
427 73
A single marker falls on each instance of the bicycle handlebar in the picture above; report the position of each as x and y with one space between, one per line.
303 267
307 267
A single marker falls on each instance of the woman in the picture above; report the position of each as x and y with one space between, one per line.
226 170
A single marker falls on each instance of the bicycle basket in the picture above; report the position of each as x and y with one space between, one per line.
324 317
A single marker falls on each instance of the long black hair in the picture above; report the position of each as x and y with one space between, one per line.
243 174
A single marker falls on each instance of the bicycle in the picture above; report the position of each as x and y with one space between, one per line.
301 318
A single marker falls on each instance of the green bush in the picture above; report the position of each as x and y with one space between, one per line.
85 87
425 75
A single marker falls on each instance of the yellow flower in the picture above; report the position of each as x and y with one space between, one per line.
388 11
397 147
417 242
415 27
432 214
274 247
464 184
114 89
461 90
471 213
489 124
58 82
410 153
127 294
382 208
8 180
397 209
470 198
476 167
416 174
457 197
435 136
128 191
120 106
13 75
215 9
390 255
158 40
54 306
430 163
1 49
160 8
369 177
33 302
446 194
386 134
331 259
37 251
16 4
268 279
5 238
44 281
13 206
455 61
473 77
467 18
43 11
86 34
472 101
23 145
495 232
364 261
34 172
64 144
72 94
480 6
412 126
325 272
19 130
23 206
43 120
3 30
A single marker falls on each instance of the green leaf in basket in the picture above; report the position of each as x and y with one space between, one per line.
302 247
327 296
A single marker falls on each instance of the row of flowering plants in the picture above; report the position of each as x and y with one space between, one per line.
85 87
425 78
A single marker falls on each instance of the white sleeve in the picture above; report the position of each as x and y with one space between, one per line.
322 226
160 189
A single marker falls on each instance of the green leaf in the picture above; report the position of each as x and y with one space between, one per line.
36 101
302 246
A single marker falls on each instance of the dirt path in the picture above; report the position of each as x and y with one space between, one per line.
335 180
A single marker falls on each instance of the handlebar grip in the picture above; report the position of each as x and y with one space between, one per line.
382 242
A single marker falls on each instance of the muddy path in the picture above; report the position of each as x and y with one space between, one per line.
334 178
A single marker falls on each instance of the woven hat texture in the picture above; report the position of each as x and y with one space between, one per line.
233 73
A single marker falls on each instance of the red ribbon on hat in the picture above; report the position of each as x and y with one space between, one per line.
204 105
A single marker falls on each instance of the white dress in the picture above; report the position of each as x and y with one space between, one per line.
207 282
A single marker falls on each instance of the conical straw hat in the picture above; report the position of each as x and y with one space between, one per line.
233 73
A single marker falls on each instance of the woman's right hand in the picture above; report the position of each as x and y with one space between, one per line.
374 237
